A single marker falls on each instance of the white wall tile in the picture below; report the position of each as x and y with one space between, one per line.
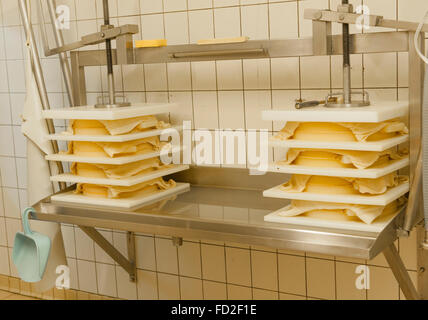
85 10
125 288
229 75
87 276
6 141
3 232
201 25
185 110
380 70
10 12
151 6
176 28
315 72
133 77
128 8
257 74
191 289
285 73
69 241
152 26
13 49
169 287
227 22
175 5
225 3
214 290
239 292
189 259
320 278
238 266
283 20
199 4
255 103
155 77
20 142
179 77
8 172
255 22
263 265
4 261
147 286
21 167
11 203
145 250
106 279
5 114
16 75
204 75
166 256
213 262
205 102
231 109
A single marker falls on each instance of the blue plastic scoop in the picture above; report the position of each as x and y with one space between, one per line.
30 251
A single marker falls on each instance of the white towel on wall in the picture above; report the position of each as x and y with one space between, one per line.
39 186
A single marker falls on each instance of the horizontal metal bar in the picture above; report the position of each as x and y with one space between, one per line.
361 43
352 18
213 53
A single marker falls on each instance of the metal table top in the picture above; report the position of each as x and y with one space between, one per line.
223 214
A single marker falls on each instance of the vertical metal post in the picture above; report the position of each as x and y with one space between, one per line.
346 62
40 81
79 81
110 76
59 40
130 237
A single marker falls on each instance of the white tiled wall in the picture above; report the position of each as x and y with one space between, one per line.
226 94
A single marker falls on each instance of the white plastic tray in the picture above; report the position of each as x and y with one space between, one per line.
371 173
377 112
126 204
375 200
360 146
106 160
68 177
377 226
92 113
108 138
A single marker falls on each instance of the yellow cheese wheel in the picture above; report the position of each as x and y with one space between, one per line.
323 131
320 159
329 185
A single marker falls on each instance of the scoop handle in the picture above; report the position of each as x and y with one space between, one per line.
25 222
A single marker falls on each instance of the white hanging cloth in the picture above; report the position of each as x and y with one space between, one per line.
38 175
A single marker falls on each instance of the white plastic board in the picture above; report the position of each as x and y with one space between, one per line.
109 138
71 178
377 226
106 160
377 112
92 113
381 145
375 200
126 204
371 173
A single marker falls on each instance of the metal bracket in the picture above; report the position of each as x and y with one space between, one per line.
352 18
95 38
399 270
128 264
